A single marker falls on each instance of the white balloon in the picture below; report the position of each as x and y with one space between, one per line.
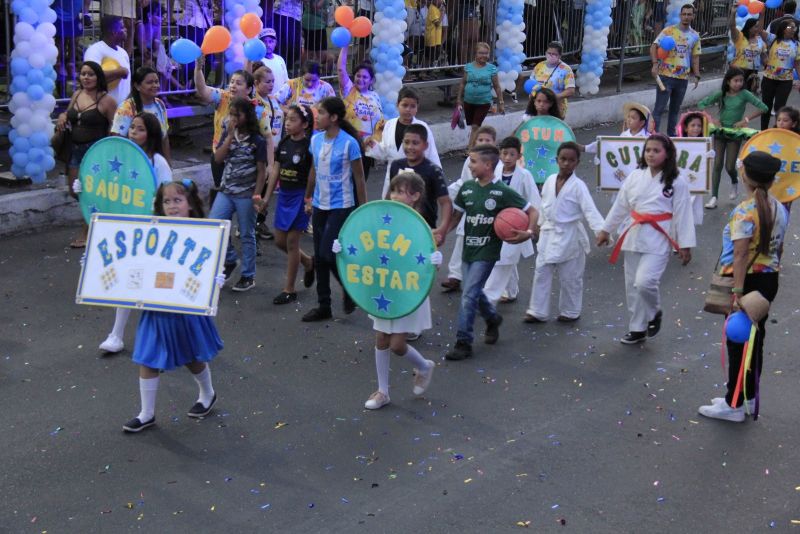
37 61
23 32
22 49
24 130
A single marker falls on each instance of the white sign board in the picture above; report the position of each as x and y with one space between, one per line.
619 157
153 263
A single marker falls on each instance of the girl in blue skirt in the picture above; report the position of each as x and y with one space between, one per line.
166 341
293 162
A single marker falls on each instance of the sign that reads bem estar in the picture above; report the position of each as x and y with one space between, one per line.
153 263
619 156
385 262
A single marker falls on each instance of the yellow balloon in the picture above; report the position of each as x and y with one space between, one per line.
108 64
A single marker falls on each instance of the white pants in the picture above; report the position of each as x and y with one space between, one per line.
454 266
642 278
503 278
570 278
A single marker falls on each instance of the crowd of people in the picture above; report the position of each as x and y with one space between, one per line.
311 149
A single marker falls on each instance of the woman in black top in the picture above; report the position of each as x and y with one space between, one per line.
88 118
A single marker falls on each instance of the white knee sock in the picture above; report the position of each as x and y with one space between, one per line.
120 320
417 359
382 366
203 379
148 388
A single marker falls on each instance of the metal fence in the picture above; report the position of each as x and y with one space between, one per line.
441 36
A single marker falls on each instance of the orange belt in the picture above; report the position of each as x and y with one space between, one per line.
644 218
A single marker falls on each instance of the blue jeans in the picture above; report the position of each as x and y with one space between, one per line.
674 93
224 207
475 274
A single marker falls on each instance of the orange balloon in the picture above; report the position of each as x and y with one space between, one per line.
217 40
344 16
662 54
361 27
755 7
744 2
250 25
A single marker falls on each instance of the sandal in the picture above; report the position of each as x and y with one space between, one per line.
310 275
78 242
285 298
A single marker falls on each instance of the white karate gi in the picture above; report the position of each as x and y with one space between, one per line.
646 249
386 149
563 246
454 265
504 275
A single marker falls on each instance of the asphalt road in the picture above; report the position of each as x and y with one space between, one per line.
557 428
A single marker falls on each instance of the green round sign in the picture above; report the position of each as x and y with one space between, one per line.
116 177
540 137
385 262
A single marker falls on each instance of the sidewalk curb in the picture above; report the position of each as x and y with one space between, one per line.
28 211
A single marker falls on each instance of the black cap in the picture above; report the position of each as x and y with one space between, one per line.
761 167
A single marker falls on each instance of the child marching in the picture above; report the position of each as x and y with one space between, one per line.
654 203
166 341
479 201
503 283
563 241
391 334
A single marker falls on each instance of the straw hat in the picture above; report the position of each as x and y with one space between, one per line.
644 110
754 305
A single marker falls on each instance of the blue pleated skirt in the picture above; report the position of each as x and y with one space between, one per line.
170 340
290 210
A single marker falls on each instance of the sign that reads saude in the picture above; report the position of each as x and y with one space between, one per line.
153 263
619 156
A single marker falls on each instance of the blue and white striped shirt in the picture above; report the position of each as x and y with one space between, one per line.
334 187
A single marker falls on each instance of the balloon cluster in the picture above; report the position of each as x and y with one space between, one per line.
744 13
33 81
596 26
509 52
243 17
351 26
387 52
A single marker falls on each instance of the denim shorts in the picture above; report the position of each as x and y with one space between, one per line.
78 151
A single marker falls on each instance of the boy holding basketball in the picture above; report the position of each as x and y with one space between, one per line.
563 242
503 283
479 201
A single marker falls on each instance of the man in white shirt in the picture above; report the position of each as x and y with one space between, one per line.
275 62
110 54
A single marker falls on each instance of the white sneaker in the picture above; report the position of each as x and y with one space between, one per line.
712 203
112 344
423 380
721 410
749 403
413 336
376 400
734 191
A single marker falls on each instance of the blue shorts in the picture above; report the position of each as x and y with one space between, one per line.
290 211
78 151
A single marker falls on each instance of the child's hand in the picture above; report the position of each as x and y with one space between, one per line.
336 247
257 202
603 238
742 123
520 236
77 187
685 254
220 280
436 258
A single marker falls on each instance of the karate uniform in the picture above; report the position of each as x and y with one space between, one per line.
563 246
386 149
504 275
454 265
647 250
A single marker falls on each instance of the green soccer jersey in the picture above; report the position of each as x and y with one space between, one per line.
479 205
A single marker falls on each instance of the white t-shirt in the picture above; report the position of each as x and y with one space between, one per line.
278 67
163 171
100 51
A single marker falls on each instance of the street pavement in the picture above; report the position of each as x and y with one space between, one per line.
556 428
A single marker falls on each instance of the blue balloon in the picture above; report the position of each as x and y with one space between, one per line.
742 11
35 92
19 66
254 49
32 169
738 327
20 158
18 170
529 85
39 139
22 143
774 4
340 37
667 43
184 51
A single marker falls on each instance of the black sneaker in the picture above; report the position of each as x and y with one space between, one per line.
228 270
135 425
317 314
284 298
492 333
245 283
349 304
263 232
654 326
198 410
461 350
632 338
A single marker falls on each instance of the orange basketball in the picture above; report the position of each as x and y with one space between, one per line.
508 220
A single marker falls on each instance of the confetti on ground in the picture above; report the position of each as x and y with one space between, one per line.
524 524
467 481
280 424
